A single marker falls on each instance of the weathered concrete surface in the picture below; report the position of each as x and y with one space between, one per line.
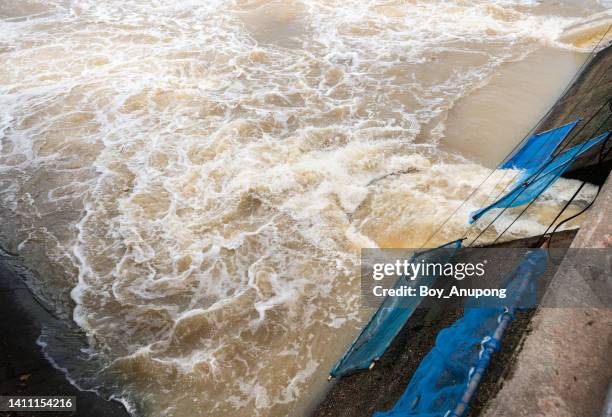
587 99
566 362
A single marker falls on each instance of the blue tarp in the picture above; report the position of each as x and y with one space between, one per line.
538 148
534 181
438 385
390 317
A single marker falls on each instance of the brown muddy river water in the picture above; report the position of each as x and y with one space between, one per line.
193 180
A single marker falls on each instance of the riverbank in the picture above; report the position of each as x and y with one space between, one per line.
563 368
589 98
361 394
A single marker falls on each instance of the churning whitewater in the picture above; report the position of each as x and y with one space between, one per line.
192 181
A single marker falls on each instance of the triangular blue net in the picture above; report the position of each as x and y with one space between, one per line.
390 317
463 350
538 148
534 181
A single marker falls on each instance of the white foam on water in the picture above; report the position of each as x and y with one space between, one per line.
198 177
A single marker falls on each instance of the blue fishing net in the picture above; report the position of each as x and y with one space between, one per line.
440 381
390 317
538 148
534 181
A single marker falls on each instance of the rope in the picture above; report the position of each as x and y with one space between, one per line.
534 200
529 134
602 157
581 98
561 149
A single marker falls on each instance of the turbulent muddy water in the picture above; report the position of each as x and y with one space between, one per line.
193 180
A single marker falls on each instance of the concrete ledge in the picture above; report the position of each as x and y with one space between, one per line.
565 366
585 99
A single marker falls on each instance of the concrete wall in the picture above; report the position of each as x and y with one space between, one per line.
565 365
